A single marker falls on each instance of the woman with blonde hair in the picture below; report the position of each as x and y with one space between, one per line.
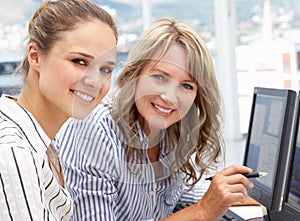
70 55
140 153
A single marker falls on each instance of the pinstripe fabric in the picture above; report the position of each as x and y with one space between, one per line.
28 190
93 157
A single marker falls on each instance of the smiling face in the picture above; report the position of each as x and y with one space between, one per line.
76 74
165 92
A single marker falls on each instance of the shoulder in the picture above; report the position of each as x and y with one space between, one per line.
15 144
15 148
97 129
10 130
101 113
21 123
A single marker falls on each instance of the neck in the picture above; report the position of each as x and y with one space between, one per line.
154 139
47 115
153 135
153 153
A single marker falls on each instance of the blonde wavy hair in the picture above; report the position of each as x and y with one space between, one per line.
198 134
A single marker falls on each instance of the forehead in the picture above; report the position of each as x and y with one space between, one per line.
175 55
92 37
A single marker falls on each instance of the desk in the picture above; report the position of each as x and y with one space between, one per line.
250 212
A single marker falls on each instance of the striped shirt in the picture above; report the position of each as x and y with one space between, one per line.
28 189
93 155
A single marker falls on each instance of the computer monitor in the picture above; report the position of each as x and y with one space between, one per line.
291 205
269 142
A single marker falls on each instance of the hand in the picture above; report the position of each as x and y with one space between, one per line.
227 187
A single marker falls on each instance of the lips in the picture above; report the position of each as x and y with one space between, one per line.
83 96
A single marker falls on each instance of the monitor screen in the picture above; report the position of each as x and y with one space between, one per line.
291 206
269 142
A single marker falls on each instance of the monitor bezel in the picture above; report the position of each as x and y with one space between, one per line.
273 201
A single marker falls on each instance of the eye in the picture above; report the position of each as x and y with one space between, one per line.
158 77
79 61
106 70
187 86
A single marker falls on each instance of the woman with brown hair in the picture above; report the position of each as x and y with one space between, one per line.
70 55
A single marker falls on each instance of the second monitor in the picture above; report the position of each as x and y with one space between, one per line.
291 204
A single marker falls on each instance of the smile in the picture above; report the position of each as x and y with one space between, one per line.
83 96
163 110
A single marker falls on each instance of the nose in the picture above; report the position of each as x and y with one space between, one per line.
93 78
170 95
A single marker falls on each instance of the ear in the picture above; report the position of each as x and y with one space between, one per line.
33 56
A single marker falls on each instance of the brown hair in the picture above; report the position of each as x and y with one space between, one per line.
56 16
199 132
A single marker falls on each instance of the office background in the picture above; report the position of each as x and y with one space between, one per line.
253 43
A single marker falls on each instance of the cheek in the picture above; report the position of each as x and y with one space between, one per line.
105 87
56 82
139 103
143 106
146 88
186 103
103 90
69 75
59 76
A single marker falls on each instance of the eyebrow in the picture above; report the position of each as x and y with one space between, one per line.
92 57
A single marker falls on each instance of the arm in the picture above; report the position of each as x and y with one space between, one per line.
191 196
93 197
226 188
20 183
85 151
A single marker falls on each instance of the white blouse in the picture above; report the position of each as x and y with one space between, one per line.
28 189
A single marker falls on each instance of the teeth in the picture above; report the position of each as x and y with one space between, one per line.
83 96
162 109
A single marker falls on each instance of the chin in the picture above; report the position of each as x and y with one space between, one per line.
81 112
159 125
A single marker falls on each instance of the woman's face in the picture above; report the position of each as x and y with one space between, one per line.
165 92
76 74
